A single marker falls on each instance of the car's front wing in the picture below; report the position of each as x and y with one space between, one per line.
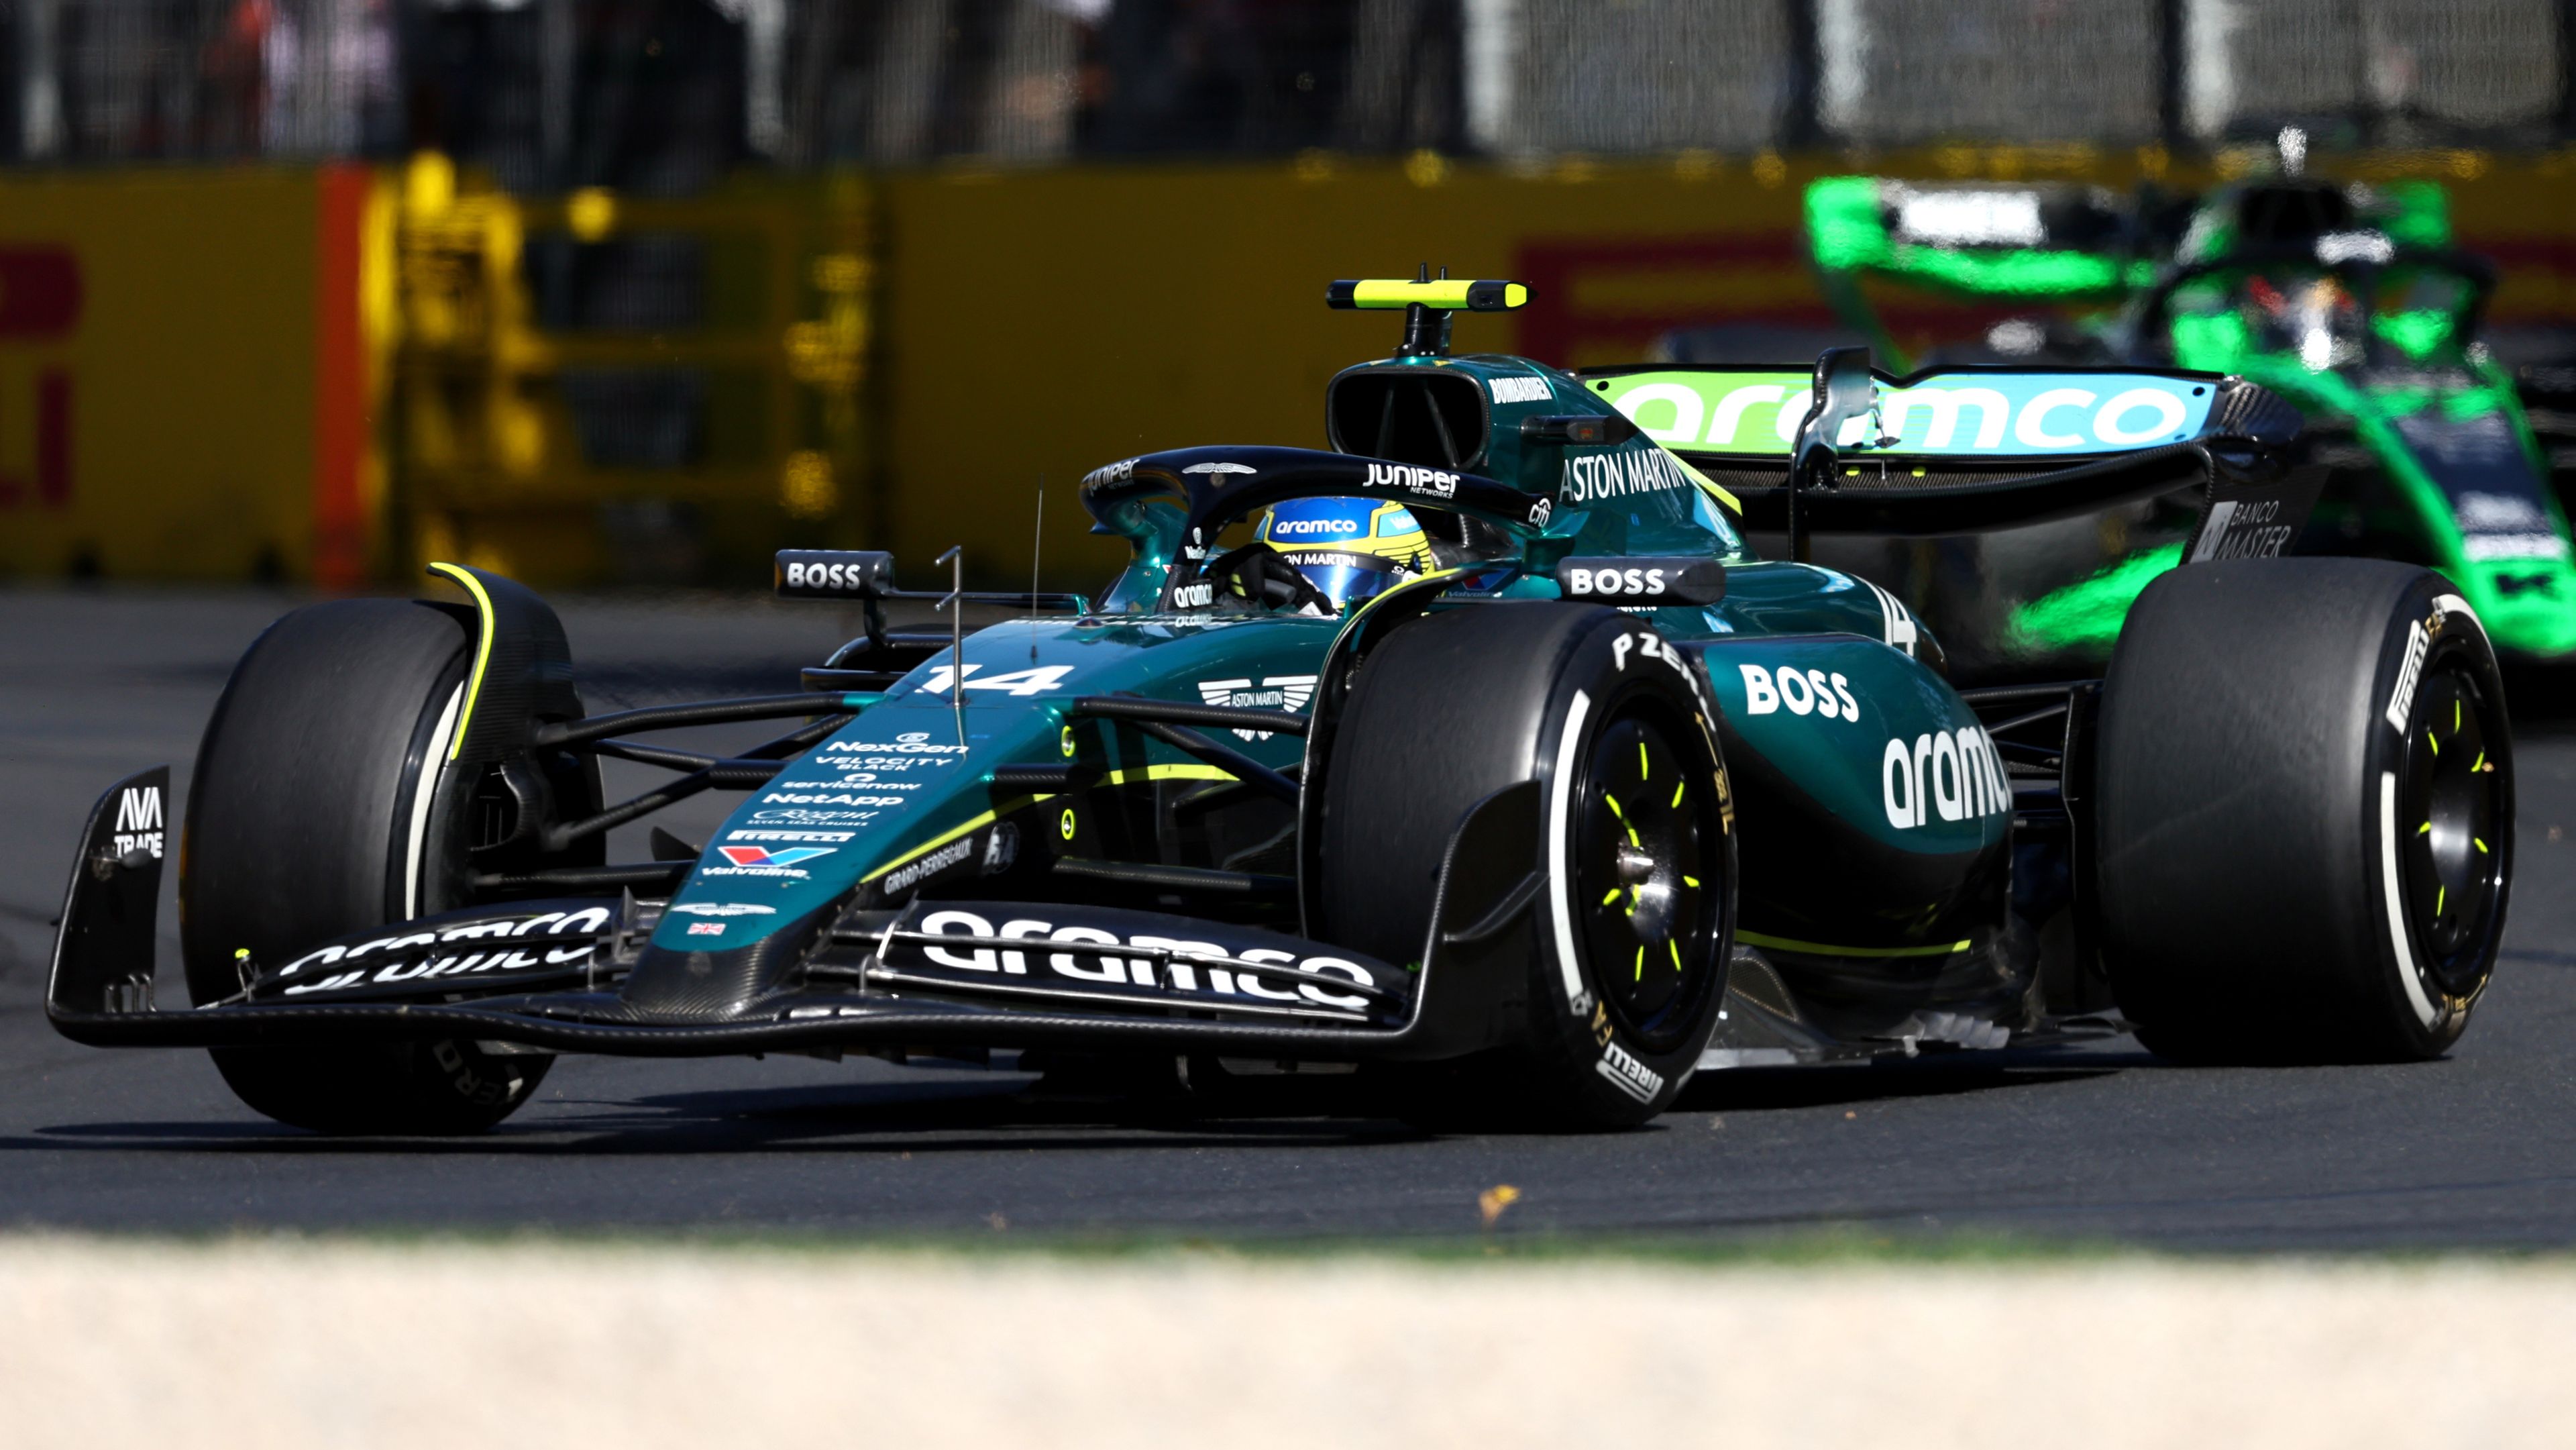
545 974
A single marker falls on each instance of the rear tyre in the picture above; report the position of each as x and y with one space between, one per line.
2306 812
317 810
1632 934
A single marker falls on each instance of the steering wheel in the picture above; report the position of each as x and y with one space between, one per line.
1260 578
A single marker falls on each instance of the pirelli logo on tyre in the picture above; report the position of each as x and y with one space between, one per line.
1627 1074
2401 700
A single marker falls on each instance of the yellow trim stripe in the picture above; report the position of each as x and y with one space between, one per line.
1703 480
1787 944
482 647
1115 777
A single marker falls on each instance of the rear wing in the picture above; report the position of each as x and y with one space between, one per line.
1846 449
2043 241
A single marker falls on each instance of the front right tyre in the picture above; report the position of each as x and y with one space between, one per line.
1628 967
322 805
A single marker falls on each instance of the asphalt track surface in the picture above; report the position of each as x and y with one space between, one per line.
2100 1143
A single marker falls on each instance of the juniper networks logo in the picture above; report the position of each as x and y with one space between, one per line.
1288 693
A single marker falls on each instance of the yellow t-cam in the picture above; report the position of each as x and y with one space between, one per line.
1446 295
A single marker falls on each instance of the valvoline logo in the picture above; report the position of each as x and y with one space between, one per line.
763 856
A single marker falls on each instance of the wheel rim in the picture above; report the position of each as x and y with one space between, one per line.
2451 822
1646 878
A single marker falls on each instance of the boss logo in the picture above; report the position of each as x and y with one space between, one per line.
833 574
1643 580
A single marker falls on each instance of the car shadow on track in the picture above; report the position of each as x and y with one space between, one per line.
1761 1089
984 1116
853 1118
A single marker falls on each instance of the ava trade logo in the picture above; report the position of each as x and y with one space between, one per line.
763 856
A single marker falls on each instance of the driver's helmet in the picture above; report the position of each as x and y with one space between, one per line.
1350 548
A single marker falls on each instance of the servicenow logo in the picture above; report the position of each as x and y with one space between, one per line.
1999 414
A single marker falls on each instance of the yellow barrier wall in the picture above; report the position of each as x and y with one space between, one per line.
192 363
179 439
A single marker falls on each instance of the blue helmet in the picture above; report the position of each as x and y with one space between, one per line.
1350 548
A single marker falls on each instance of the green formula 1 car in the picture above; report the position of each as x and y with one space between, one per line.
2352 302
1478 754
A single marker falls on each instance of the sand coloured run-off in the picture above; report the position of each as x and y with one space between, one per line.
286 1345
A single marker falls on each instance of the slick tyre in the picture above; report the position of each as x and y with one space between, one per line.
1629 940
317 810
2305 836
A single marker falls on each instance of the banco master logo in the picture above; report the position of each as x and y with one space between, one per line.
1279 692
1999 414
763 856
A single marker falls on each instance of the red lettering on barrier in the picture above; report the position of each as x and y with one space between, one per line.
40 292
54 438
53 487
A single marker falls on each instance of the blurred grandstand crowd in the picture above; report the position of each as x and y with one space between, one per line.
665 96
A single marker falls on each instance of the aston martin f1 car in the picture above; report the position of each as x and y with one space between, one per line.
1589 799
2352 302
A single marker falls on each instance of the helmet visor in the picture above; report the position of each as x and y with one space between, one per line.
1344 576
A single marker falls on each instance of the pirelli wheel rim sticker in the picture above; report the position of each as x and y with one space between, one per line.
2451 820
1644 876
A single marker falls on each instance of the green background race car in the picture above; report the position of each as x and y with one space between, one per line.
2352 302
